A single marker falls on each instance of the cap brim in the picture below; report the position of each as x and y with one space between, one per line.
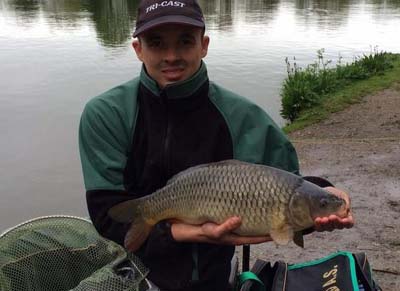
170 19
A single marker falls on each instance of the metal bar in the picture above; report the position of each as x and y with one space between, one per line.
246 258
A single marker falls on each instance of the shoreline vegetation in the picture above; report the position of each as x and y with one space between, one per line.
309 95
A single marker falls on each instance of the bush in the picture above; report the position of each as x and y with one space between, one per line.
298 95
302 88
305 88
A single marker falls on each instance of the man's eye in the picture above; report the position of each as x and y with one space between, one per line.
187 41
155 43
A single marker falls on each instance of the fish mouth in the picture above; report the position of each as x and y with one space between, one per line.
343 208
343 211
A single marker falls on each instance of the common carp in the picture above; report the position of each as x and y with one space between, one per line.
268 201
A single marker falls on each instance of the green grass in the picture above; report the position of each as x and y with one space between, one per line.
346 94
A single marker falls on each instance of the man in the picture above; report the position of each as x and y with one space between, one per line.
136 136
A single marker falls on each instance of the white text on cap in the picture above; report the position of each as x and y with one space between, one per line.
164 4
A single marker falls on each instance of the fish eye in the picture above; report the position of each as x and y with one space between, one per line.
323 203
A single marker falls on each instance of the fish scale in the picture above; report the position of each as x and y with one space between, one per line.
268 201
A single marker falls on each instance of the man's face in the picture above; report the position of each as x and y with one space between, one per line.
171 52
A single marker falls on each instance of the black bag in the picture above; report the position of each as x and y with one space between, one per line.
338 271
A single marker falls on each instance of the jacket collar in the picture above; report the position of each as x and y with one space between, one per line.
179 89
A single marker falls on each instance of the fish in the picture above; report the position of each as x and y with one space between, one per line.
269 201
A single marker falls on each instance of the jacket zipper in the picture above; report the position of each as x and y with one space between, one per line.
195 259
167 135
195 252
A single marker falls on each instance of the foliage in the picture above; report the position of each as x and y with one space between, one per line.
350 94
306 88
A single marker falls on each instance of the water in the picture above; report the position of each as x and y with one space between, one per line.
56 54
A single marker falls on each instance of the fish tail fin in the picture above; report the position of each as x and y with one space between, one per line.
130 212
127 211
137 234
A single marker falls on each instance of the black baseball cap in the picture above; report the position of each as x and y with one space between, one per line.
152 13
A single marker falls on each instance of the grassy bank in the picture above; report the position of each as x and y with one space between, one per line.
338 94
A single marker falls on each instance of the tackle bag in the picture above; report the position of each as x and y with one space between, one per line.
338 271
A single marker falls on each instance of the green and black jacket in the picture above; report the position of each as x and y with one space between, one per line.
135 137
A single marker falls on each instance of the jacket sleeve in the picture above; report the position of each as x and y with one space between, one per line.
98 203
103 146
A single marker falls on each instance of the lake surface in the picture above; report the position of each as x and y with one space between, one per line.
57 54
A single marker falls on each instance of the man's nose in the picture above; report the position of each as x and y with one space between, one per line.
171 54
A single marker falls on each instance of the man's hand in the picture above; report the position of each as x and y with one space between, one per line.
335 222
214 233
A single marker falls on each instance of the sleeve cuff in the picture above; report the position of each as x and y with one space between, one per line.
165 226
318 181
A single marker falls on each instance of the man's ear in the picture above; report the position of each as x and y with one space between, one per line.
204 44
137 46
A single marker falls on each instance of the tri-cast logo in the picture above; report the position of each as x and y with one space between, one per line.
164 4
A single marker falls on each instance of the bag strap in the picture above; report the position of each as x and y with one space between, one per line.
280 277
364 272
265 273
246 276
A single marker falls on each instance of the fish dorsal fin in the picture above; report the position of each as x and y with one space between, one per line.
232 162
202 166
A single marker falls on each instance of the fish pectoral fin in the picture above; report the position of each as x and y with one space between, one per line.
282 235
137 234
298 239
